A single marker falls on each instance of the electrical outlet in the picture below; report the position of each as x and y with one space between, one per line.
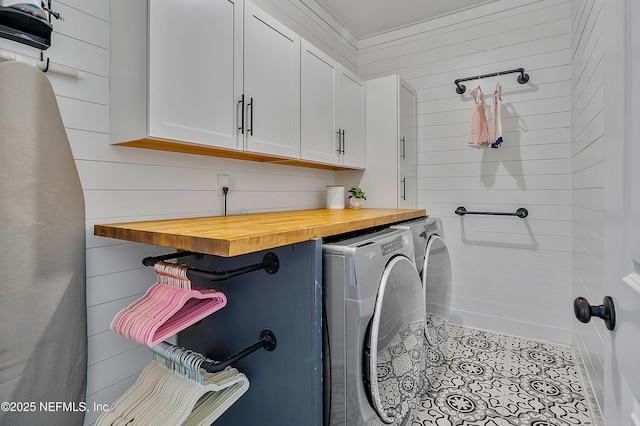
223 181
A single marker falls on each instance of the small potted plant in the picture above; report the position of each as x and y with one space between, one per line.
356 195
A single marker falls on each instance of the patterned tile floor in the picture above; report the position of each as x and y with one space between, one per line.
489 379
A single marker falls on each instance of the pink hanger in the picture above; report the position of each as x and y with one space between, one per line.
169 306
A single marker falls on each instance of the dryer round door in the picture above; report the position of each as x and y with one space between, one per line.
436 280
395 350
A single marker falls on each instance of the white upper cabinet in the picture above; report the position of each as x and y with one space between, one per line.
194 81
332 111
351 118
271 85
319 132
223 78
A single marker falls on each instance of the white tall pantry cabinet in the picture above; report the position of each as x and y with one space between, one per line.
389 179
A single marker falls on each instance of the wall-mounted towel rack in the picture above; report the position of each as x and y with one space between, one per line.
270 263
461 88
521 212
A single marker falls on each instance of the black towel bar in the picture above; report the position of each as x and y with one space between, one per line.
461 88
270 263
521 212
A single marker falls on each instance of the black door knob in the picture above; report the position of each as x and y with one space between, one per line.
606 311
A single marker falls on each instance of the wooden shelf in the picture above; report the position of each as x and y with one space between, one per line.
240 234
186 148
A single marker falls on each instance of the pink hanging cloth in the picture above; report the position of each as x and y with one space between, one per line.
479 135
497 119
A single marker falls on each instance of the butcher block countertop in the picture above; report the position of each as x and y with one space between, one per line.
241 234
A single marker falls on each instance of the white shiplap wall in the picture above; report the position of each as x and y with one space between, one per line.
509 275
122 184
587 164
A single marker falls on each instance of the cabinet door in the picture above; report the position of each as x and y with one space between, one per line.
194 77
318 130
407 193
407 127
271 85
351 116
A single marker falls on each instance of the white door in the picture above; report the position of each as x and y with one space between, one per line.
318 130
407 127
396 332
350 109
622 229
194 78
271 85
407 190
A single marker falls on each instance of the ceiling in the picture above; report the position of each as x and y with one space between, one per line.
364 18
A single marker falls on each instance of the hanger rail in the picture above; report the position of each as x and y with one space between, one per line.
6 55
523 78
267 341
270 263
194 361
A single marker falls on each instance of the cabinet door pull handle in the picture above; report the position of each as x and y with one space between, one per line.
404 189
241 102
344 143
403 149
250 129
340 149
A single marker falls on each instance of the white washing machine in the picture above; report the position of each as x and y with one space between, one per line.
434 265
373 354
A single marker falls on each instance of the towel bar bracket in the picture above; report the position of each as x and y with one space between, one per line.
272 263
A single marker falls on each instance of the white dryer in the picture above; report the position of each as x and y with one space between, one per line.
434 265
373 354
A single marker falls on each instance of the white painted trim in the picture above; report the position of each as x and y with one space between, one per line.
633 281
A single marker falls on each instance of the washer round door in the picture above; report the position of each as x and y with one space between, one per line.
436 279
395 350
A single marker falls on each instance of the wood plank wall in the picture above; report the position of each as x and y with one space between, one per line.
587 168
122 184
509 275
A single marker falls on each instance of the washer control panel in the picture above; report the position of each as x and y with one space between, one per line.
393 245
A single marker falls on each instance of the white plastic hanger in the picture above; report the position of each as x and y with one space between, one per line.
174 390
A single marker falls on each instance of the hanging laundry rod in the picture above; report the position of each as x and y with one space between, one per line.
461 88
175 353
521 212
270 263
46 66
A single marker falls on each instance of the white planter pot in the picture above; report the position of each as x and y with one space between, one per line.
355 203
